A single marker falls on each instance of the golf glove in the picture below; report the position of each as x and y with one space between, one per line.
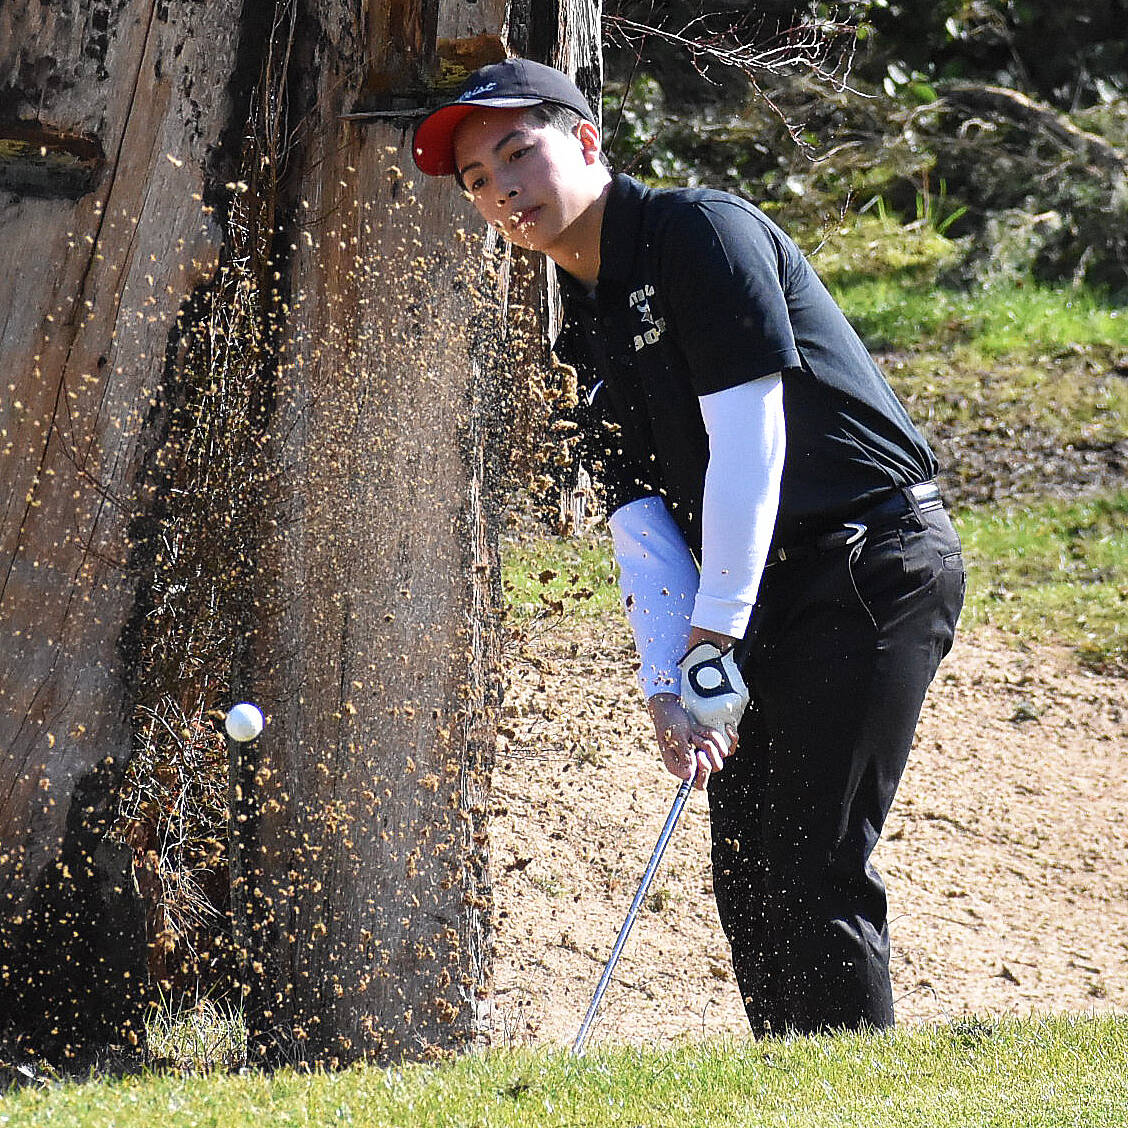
712 689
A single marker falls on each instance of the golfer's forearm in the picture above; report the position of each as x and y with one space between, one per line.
658 579
747 442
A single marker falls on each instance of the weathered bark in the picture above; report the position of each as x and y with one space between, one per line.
360 873
362 880
110 123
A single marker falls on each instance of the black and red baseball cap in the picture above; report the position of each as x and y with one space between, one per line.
506 85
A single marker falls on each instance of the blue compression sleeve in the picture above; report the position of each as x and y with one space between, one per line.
658 579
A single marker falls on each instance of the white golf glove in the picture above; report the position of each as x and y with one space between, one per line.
712 689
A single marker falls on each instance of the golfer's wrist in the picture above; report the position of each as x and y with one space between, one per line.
658 704
723 642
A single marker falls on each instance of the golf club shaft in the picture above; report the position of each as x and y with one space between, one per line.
625 931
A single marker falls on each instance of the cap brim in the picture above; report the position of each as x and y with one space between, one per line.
433 144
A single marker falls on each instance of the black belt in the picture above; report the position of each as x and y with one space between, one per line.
925 495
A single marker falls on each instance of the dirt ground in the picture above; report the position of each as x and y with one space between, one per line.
1006 855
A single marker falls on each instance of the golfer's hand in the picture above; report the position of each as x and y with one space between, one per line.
689 750
712 688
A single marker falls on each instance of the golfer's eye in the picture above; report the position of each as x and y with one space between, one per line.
517 154
477 184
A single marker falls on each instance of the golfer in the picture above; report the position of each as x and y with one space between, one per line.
789 572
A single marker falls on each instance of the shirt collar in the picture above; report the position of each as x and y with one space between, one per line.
622 223
618 238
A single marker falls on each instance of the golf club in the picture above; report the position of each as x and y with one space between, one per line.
625 931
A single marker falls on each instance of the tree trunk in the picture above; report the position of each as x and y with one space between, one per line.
362 880
249 354
112 126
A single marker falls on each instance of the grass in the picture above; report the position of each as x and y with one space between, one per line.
1003 359
203 1037
1053 571
1047 572
1079 399
870 248
998 321
557 575
1038 1073
888 278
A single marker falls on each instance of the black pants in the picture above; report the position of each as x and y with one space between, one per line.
843 648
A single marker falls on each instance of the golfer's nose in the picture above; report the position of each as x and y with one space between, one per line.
508 195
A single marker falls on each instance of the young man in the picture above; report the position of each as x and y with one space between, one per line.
777 529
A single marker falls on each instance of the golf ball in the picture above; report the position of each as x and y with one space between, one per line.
244 721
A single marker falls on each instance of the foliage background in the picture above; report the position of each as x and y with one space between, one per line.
903 112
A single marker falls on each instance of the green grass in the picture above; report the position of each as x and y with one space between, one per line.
1000 321
1048 572
869 248
1039 1073
1054 571
886 276
560 575
998 361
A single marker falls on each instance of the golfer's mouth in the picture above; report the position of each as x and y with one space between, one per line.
526 217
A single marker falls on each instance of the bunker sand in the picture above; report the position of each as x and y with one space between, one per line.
1004 855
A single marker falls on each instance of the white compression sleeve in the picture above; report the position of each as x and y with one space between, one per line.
658 579
747 441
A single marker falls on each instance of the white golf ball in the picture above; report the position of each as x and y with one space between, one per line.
244 722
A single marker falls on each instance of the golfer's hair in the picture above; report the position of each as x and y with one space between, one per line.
555 117
559 117
564 119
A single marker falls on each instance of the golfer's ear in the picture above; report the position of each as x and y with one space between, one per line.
589 140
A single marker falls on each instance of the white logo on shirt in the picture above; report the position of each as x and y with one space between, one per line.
653 329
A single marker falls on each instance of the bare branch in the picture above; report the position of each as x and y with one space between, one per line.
1037 117
807 47
820 49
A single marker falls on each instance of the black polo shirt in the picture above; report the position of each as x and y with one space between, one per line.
699 291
